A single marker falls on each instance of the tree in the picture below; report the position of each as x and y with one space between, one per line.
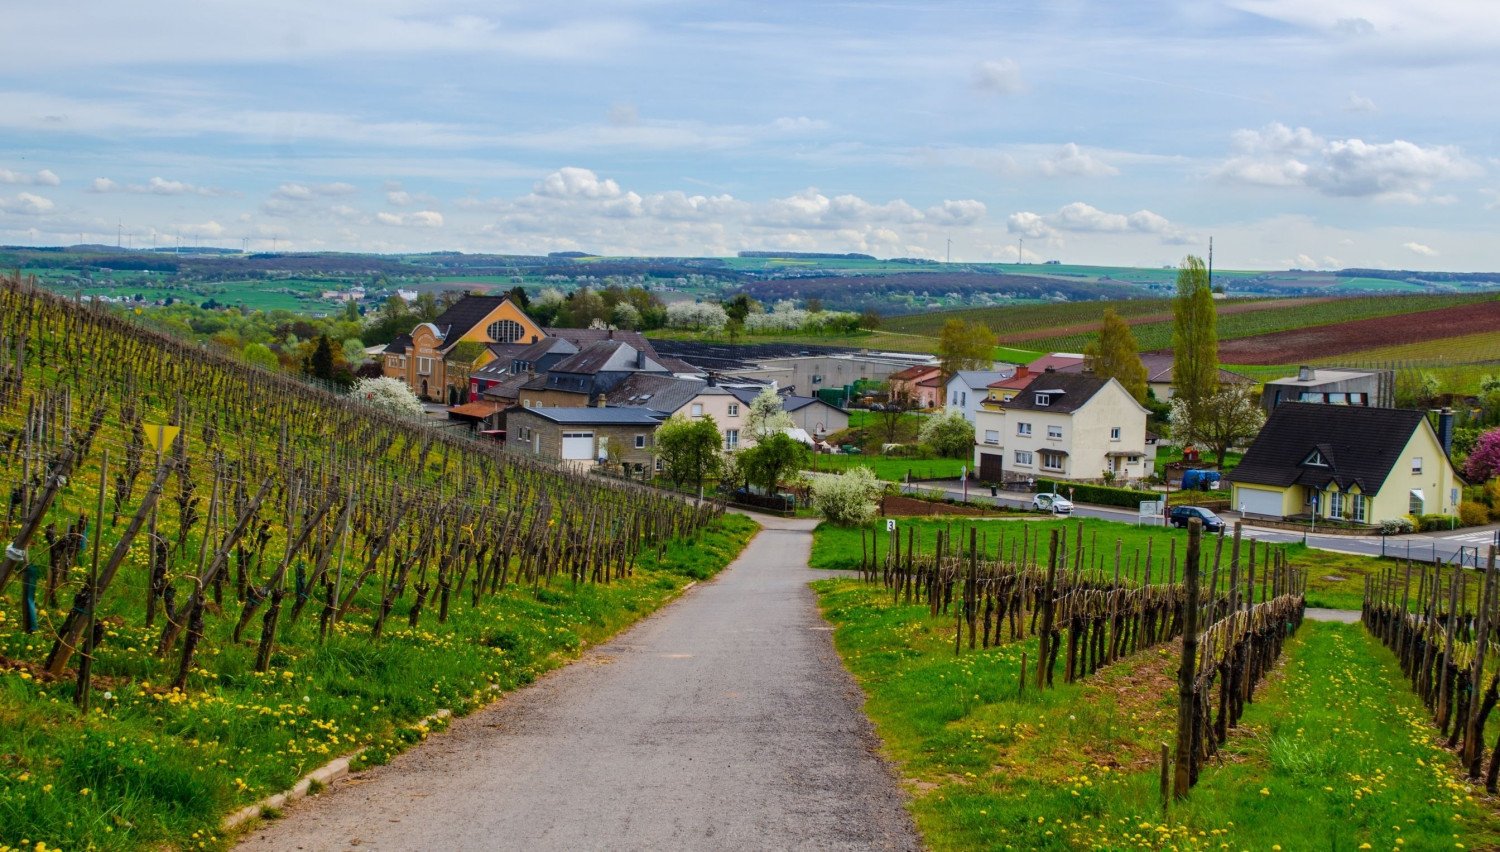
354 350
351 311
1195 340
869 318
741 306
517 294
426 308
764 463
891 416
320 364
1229 417
813 305
261 355
1484 459
766 416
389 395
948 433
1115 355
965 346
688 449
847 499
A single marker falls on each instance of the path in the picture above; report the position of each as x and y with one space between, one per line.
725 721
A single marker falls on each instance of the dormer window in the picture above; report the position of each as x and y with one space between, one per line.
1044 399
1315 460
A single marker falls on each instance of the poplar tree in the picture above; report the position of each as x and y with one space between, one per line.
1195 340
1116 355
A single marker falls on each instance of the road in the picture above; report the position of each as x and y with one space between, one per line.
1467 545
724 721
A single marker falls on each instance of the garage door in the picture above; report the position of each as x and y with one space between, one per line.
578 446
1259 502
990 467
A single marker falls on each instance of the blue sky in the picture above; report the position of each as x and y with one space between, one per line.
1310 133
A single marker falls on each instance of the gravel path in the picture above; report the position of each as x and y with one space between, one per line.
725 721
1345 616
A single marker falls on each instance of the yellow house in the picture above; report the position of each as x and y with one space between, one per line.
1346 463
431 360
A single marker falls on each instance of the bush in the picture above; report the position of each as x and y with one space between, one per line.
1102 495
389 395
1473 514
1433 523
948 434
846 499
1396 526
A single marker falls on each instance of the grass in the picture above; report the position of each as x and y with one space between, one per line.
149 767
1484 346
1336 752
892 469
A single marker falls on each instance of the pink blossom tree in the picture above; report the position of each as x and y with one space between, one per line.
1484 460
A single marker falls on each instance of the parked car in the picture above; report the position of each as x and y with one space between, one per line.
1182 514
1052 503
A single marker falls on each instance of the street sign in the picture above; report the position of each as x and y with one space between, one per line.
159 436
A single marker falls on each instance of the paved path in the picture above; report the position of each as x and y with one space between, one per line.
725 721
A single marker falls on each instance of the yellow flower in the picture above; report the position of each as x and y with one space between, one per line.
1265 792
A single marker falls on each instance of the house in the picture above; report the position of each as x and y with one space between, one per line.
1064 426
968 389
919 385
430 359
584 436
1351 463
691 398
1375 388
1159 374
812 415
1006 389
587 377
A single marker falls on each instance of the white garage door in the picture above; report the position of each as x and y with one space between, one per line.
578 446
1259 502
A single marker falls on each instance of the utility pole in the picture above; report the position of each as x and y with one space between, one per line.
950 251
1020 242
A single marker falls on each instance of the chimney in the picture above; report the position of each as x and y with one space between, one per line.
1306 374
1022 372
611 334
713 380
1051 369
600 403
1445 430
640 358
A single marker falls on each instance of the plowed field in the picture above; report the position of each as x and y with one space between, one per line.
1319 342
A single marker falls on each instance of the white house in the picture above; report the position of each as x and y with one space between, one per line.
1064 426
968 388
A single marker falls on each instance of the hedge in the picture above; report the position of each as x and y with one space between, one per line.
1102 495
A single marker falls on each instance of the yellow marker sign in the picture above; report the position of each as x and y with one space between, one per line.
160 436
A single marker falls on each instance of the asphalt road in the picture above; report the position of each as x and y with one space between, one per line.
1470 546
725 721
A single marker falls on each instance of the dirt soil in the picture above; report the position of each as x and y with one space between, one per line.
1318 343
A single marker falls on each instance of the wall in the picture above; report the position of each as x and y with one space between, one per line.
518 420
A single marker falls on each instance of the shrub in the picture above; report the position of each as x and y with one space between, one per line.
1101 494
1396 526
948 434
1432 523
1473 514
389 395
846 499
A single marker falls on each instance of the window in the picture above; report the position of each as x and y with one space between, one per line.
424 366
697 409
963 398
1114 433
1044 399
734 409
1054 431
1023 458
1417 503
731 439
640 442
1338 399
1316 460
1416 464
817 380
505 331
1051 460
1023 428
992 436
658 465
1335 504
1359 508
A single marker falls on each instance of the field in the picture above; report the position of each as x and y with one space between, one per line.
1400 328
297 576
892 469
1461 349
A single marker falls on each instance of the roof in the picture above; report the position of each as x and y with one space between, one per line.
466 313
980 379
792 402
1069 392
913 373
593 416
399 345
1057 360
1359 446
656 391
509 388
481 408
1159 370
1022 377
605 355
1322 377
582 337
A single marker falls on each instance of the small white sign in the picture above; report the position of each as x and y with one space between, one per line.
890 524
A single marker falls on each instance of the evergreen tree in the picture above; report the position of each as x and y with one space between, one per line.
1195 340
1115 355
320 363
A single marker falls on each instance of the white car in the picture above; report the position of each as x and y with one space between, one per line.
1052 503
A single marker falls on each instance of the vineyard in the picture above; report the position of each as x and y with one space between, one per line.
218 578
1043 686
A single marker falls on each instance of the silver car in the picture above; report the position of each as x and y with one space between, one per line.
1052 503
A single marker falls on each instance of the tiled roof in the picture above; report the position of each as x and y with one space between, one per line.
481 408
593 416
399 345
466 313
1359 446
977 379
509 388
914 373
656 391
605 355
1023 377
582 337
1067 392
1056 361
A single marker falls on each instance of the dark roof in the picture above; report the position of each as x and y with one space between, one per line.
1360 446
399 345
509 388
466 313
656 391
1069 392
602 355
593 416
735 356
582 337
792 402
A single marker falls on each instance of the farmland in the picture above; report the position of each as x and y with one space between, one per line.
1461 349
1410 325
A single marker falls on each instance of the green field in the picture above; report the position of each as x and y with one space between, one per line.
1335 752
891 469
1466 349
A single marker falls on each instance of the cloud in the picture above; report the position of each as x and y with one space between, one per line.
1418 248
1359 103
45 177
209 229
154 186
303 192
1277 155
26 204
999 77
575 182
1072 161
419 219
398 198
1079 217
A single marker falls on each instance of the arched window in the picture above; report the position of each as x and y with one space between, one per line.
505 331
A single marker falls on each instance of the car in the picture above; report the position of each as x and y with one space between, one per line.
1181 515
1052 503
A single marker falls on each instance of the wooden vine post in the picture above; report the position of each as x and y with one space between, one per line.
1185 674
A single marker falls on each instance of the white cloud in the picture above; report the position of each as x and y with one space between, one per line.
209 229
154 186
1079 217
45 177
26 204
1399 170
303 192
1419 248
1072 161
398 198
999 77
419 219
575 182
1359 103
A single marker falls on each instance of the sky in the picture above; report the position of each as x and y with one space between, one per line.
1295 133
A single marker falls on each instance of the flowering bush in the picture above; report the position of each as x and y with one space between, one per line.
948 433
848 498
1396 526
1484 459
696 315
389 395
786 316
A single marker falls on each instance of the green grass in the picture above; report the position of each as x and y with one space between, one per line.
892 469
1335 752
150 768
